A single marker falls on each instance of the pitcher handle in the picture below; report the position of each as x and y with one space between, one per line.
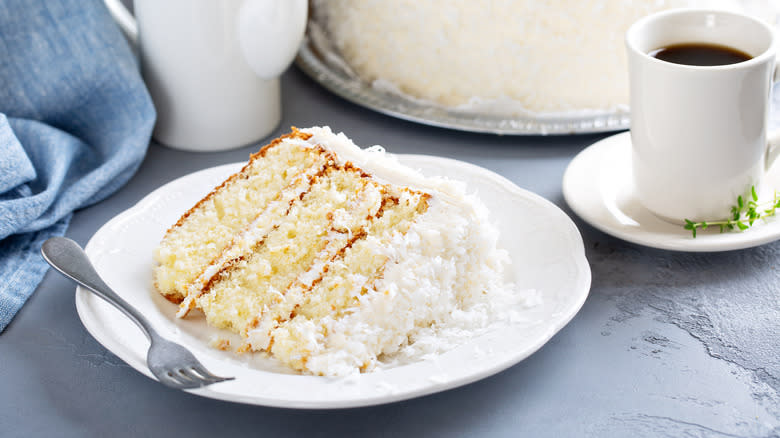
280 22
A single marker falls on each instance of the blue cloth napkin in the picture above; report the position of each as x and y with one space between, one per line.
75 123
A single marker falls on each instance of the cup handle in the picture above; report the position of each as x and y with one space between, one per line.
773 138
124 19
772 149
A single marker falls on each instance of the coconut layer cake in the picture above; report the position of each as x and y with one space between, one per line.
499 56
329 257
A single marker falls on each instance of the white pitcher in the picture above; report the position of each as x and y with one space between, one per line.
212 67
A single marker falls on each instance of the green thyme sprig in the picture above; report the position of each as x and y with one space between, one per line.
743 215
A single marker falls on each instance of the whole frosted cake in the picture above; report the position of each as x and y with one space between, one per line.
328 256
504 56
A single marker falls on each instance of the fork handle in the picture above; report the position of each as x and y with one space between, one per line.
67 257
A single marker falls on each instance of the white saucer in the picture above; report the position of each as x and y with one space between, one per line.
598 186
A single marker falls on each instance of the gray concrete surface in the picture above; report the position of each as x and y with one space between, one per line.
667 344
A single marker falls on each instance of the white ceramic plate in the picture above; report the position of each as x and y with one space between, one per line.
547 254
597 186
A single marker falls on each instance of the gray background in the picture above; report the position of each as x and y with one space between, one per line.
667 344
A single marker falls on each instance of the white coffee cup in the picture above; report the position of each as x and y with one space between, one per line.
212 67
699 134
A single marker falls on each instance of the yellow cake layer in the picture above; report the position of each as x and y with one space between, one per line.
352 275
316 227
204 232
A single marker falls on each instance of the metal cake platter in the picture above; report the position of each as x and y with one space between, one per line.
319 60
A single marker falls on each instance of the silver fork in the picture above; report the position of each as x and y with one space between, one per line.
172 364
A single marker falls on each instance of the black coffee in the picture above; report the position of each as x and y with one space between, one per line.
700 54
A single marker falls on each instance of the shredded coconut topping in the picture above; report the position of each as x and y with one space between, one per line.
442 285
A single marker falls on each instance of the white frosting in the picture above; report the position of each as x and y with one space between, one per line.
382 166
443 283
